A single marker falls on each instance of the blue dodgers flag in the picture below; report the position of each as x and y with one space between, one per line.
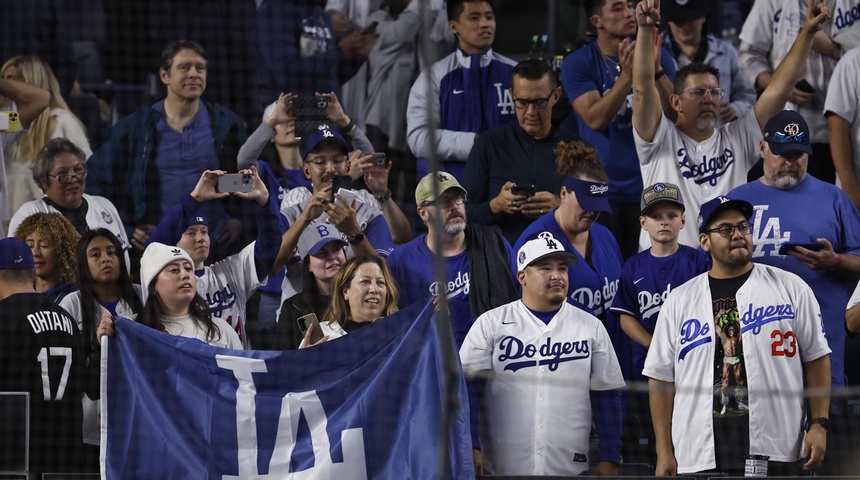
367 405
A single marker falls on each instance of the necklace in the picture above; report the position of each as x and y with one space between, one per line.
609 69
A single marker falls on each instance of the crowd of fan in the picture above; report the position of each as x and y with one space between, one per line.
358 112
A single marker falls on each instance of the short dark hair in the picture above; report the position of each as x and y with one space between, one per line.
24 276
535 69
456 7
695 68
174 47
592 6
48 155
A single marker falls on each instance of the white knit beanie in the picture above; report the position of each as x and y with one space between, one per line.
155 258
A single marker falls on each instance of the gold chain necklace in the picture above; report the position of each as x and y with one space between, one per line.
606 61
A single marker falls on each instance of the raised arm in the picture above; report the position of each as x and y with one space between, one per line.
788 73
29 99
646 97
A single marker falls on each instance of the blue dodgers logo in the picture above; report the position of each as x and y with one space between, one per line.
755 317
552 354
220 300
709 170
847 18
693 334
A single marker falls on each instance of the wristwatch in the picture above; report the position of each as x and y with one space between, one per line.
356 239
823 421
383 198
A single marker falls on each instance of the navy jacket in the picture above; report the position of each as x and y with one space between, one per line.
118 170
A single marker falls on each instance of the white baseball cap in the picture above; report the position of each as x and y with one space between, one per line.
545 244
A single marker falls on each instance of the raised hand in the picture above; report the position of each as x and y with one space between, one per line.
648 13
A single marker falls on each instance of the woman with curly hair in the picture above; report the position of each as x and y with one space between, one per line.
53 240
54 122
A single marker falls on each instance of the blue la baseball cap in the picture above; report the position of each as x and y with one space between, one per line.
15 255
716 205
787 131
323 134
592 196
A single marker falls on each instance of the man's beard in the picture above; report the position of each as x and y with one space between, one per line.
455 226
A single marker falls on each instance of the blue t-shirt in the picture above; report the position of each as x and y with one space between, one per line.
180 158
813 209
594 286
646 281
586 70
412 266
110 306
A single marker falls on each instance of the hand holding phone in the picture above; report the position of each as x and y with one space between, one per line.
788 247
10 121
307 321
340 182
527 190
380 159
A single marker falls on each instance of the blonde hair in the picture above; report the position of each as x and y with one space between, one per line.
338 311
36 72
580 161
62 233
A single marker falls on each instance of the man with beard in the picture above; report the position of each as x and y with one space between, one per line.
478 263
701 160
794 208
549 366
782 340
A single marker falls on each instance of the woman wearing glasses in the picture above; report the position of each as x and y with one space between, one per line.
60 173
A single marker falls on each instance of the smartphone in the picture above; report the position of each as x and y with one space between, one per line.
10 122
338 182
527 190
370 29
234 182
787 247
380 159
804 86
306 321
310 113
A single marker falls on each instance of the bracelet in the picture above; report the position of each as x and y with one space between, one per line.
384 198
356 239
659 74
838 260
349 128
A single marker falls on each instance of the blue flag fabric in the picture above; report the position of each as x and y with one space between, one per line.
368 405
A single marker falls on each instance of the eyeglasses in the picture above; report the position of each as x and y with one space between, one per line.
802 137
323 161
700 92
445 202
65 178
726 231
539 103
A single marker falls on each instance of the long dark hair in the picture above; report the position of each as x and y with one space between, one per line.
701 50
198 310
89 302
315 301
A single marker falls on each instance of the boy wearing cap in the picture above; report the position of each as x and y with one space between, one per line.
649 276
752 332
543 358
227 284
646 280
41 352
355 213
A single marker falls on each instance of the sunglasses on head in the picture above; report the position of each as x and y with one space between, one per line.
780 137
